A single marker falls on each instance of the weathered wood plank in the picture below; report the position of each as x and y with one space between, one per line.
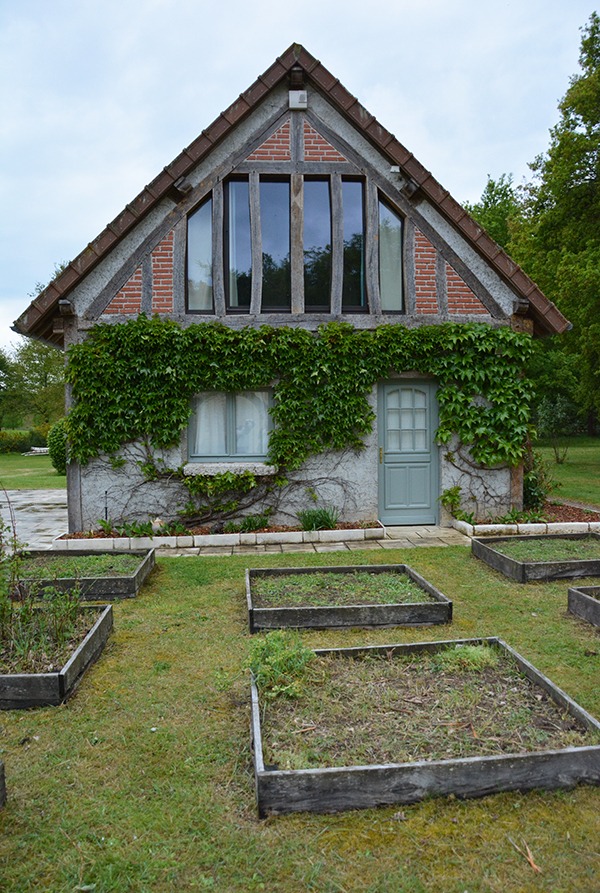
87 652
423 613
22 690
217 248
358 787
584 602
529 571
94 588
362 787
256 244
297 242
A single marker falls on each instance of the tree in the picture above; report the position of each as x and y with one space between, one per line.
557 238
35 384
498 209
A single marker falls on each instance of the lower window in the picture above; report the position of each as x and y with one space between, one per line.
229 426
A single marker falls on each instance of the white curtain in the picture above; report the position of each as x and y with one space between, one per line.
251 423
207 425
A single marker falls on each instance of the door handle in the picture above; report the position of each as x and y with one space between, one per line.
380 455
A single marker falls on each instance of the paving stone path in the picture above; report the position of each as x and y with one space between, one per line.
41 515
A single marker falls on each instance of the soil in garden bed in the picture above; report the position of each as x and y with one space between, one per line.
51 566
321 589
374 710
552 549
206 529
49 658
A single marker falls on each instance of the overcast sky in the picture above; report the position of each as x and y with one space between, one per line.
97 97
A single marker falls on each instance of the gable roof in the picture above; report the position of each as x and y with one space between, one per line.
37 319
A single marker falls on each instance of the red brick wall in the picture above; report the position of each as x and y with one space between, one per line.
276 147
460 297
425 283
316 147
129 298
162 276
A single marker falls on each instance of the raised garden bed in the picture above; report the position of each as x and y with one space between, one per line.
18 690
347 596
98 575
584 602
552 557
317 743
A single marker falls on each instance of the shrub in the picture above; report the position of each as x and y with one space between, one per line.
57 445
318 519
20 441
537 481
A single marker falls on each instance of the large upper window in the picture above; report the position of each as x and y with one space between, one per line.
229 426
307 255
390 259
317 245
353 279
200 259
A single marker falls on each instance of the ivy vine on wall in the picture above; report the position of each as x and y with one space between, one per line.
134 382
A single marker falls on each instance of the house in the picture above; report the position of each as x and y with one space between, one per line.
321 323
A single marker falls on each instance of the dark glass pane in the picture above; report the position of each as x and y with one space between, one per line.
390 259
238 245
317 245
199 259
275 232
353 287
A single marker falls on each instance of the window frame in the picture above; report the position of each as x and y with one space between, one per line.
373 196
229 430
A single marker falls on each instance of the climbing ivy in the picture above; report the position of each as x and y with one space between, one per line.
135 381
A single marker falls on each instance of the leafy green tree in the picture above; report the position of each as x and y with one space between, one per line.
4 382
35 384
498 209
557 238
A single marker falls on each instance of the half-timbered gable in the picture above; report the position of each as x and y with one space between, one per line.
296 208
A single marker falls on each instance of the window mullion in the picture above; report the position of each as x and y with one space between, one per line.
337 247
372 249
230 425
217 247
254 190
296 248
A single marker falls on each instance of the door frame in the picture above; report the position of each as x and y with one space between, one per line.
430 515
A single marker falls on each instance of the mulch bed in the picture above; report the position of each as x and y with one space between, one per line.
555 512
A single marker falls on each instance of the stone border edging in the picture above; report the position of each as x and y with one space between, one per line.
220 539
525 529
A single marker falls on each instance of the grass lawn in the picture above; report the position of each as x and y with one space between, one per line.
143 781
19 472
579 474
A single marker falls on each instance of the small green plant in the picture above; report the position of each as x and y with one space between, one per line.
515 516
465 658
318 519
249 524
537 481
30 629
451 499
278 663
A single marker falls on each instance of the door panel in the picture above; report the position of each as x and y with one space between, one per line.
408 473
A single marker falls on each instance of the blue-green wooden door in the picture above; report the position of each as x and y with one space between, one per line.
408 456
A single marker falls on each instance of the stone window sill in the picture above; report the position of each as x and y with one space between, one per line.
212 468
